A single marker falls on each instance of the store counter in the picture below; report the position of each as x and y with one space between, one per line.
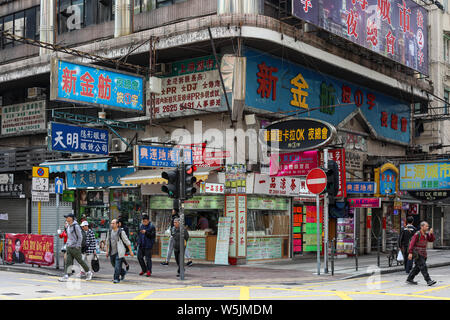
201 247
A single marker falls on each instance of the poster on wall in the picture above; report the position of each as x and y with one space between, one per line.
231 211
242 225
223 240
29 249
24 118
345 236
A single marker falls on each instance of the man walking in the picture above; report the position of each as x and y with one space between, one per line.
91 245
146 239
74 239
175 215
403 242
418 251
177 241
122 225
116 241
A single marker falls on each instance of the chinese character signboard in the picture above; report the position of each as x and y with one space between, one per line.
386 178
93 85
194 85
365 202
213 188
67 138
149 156
293 164
277 186
396 29
298 135
361 187
23 118
338 155
242 225
30 249
425 176
97 179
430 195
277 85
206 157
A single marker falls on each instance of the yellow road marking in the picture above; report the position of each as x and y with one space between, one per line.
144 295
245 293
372 283
91 295
5 297
343 295
432 289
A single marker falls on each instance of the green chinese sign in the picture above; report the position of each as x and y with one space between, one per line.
265 203
193 65
199 202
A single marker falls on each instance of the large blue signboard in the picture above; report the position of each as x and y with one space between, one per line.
280 86
96 86
67 138
149 156
396 29
97 179
425 176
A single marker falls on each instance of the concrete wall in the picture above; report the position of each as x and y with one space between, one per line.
15 6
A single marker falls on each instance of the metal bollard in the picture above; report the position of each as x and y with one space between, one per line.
378 251
57 252
356 253
332 256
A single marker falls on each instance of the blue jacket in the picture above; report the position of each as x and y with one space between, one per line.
148 239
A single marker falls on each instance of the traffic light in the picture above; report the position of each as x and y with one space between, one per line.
189 181
332 180
173 183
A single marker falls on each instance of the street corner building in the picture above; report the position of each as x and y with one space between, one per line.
256 93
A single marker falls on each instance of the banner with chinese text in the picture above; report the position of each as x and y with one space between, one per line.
425 176
30 249
97 86
23 118
396 29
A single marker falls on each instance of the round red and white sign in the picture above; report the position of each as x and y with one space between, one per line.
316 181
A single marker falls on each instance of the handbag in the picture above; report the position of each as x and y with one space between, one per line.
400 256
95 264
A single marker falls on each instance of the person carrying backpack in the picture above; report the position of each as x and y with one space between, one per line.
418 251
403 242
116 242
74 239
146 240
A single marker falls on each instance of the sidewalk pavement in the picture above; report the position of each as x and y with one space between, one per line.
291 271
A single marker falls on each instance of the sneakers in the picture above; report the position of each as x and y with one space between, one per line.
189 264
123 276
127 267
165 263
411 281
431 282
89 276
148 274
64 278
141 273
116 281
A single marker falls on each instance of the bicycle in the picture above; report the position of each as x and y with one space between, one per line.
393 257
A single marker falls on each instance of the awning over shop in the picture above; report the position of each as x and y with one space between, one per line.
77 165
143 177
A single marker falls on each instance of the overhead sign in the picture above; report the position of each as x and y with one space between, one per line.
97 179
316 181
74 139
94 85
354 187
425 176
430 195
24 118
396 29
293 164
149 156
284 87
298 135
59 185
365 202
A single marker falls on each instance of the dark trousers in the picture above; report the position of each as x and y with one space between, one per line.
177 259
117 264
420 265
406 262
147 254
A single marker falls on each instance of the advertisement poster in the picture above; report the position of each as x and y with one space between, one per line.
30 249
235 178
425 176
23 118
242 225
231 211
345 236
293 164
223 240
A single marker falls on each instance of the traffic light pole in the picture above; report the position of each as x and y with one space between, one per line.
181 206
325 217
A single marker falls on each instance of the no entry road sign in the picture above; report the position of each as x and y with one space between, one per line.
316 181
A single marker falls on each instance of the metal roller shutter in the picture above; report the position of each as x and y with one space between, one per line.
17 214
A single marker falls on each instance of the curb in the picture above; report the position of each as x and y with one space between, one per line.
396 269
28 270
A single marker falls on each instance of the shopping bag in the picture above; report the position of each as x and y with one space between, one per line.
400 256
95 264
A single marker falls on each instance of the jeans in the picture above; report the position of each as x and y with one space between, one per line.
117 264
170 249
147 254
406 262
420 265
74 253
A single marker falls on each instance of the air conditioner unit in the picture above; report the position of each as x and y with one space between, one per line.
117 145
163 69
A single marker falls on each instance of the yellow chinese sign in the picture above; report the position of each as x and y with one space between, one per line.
425 176
299 93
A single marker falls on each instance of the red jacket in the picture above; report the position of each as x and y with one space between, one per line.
419 242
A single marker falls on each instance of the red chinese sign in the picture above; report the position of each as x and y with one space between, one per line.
30 249
207 157
293 164
338 155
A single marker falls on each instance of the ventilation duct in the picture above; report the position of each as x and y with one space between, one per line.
240 6
123 20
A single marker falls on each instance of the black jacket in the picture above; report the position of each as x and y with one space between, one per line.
405 235
176 238
21 258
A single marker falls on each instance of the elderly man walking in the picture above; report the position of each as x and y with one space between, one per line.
418 251
115 248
